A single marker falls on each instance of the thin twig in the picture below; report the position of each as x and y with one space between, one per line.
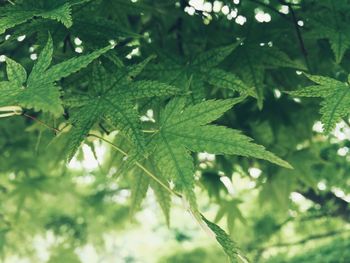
179 26
150 174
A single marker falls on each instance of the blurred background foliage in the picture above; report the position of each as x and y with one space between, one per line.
51 211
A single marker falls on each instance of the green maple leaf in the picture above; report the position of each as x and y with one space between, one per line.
327 25
225 241
232 212
338 37
140 185
185 129
11 16
39 91
112 98
252 62
163 197
336 98
202 69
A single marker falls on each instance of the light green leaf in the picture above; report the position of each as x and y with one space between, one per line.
15 72
163 196
72 65
9 93
335 107
43 62
225 241
116 102
201 113
336 99
139 189
40 91
175 163
82 124
123 115
221 140
185 129
42 97
163 199
146 89
61 14
11 17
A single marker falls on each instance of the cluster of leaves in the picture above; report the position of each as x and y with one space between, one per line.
159 93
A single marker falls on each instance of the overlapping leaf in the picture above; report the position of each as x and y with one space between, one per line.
142 182
113 99
336 99
185 129
203 69
232 212
252 62
327 25
39 91
14 15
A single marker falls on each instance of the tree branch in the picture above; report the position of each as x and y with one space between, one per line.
309 238
299 36
340 207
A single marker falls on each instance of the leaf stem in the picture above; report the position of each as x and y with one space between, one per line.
150 131
150 174
41 122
